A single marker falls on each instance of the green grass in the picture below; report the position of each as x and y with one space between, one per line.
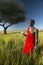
11 46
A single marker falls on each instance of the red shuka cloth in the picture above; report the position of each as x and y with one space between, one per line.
29 43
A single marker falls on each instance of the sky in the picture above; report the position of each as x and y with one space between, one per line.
34 10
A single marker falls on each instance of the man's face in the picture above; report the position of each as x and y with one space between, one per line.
30 23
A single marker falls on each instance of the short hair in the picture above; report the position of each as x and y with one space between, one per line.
32 21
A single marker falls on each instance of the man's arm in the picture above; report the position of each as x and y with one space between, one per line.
36 39
24 34
36 36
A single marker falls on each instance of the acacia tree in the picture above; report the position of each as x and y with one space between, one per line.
11 12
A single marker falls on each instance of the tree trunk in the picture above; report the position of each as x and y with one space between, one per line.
5 28
5 32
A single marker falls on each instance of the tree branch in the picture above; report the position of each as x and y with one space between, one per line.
4 23
8 26
1 24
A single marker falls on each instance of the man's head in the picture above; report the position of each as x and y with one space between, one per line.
31 23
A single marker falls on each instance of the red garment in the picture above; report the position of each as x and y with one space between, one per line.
29 42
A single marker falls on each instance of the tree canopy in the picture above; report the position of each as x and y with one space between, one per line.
11 12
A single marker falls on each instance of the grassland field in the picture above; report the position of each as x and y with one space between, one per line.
11 46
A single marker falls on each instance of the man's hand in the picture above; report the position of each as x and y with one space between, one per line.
22 32
35 47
